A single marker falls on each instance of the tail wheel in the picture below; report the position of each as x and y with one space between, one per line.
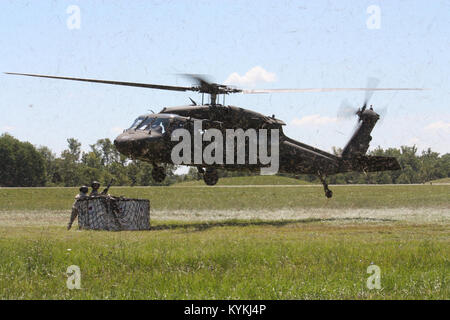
328 192
158 174
211 176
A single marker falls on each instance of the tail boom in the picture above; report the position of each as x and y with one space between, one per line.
370 164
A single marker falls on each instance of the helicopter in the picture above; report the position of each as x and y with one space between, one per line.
150 137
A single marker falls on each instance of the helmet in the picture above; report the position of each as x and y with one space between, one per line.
84 189
95 184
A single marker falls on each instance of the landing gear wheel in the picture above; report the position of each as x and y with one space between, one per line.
210 176
158 174
328 193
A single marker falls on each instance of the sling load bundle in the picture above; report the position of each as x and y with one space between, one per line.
113 213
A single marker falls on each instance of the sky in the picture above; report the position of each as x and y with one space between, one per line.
250 44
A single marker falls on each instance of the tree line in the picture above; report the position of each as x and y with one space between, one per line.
25 165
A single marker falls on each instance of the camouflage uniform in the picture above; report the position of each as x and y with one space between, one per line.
74 214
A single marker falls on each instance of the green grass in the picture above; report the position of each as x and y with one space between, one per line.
300 258
225 198
443 180
295 261
250 180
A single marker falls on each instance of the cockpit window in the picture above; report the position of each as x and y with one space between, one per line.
151 123
143 125
136 123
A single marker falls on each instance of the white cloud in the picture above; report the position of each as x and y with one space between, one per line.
252 77
7 128
313 120
439 125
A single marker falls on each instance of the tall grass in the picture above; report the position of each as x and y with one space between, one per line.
295 261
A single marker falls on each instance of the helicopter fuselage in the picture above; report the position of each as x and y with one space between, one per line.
150 139
153 137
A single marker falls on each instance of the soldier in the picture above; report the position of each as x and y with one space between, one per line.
83 194
95 186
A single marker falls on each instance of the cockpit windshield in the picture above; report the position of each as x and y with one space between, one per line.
153 123
159 125
136 123
143 125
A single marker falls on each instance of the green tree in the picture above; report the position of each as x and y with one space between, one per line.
107 151
92 159
69 166
21 164
50 165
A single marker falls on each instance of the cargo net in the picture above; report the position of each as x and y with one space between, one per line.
114 214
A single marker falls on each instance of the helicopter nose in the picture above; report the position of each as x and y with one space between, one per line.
138 144
124 144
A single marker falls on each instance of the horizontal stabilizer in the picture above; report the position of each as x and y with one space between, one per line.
376 163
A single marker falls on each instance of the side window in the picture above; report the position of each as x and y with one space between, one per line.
158 126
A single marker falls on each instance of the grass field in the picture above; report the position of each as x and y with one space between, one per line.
443 180
250 180
233 242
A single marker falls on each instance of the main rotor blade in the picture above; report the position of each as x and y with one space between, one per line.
252 91
207 87
119 83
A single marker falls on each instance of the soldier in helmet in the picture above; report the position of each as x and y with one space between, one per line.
95 186
83 194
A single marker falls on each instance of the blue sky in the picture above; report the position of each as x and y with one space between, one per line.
297 43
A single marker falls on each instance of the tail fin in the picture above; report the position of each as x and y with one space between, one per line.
359 143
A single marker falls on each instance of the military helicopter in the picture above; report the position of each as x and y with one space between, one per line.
149 137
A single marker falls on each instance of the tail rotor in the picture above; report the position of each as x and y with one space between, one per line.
347 111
